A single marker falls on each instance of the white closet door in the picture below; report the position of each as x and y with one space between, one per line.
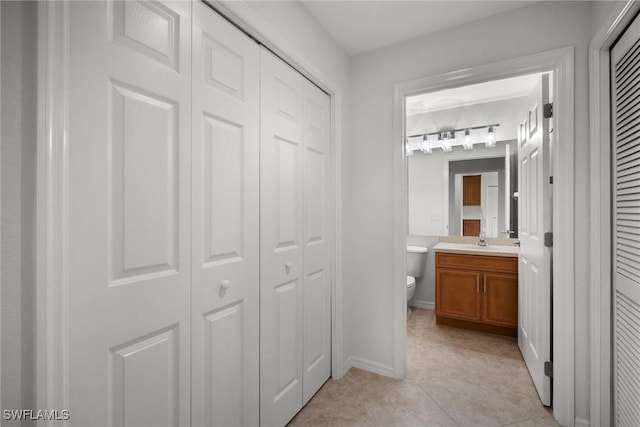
225 223
625 63
281 241
295 282
128 231
317 272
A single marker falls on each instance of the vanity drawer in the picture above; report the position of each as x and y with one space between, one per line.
475 262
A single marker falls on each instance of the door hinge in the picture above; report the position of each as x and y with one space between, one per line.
547 111
548 369
550 180
548 239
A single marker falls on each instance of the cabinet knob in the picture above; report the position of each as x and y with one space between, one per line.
287 266
224 285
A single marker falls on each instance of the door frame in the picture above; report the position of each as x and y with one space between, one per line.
561 62
52 211
600 286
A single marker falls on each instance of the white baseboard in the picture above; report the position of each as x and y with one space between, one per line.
369 366
581 422
429 305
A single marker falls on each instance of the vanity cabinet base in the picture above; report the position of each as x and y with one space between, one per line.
477 292
477 326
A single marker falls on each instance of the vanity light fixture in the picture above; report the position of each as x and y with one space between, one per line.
447 139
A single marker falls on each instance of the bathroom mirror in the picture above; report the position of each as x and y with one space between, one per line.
436 192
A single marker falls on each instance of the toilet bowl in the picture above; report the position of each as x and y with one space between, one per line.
411 287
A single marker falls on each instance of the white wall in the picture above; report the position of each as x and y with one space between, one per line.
368 213
18 205
506 113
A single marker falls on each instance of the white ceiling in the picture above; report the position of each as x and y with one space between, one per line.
463 96
363 25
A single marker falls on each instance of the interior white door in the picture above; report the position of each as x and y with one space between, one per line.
225 223
491 214
534 280
129 198
317 243
281 241
625 72
295 273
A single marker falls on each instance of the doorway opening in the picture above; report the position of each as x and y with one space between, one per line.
464 144
558 66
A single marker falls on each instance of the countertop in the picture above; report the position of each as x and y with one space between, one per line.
472 249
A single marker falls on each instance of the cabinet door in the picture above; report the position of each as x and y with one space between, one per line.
458 294
471 190
500 299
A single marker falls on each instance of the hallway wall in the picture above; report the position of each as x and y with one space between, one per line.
368 214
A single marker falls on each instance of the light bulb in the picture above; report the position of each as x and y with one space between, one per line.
426 145
468 144
491 138
408 149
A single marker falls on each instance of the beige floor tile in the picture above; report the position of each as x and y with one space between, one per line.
454 377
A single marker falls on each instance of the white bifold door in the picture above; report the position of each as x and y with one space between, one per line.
128 183
225 223
534 270
295 276
625 89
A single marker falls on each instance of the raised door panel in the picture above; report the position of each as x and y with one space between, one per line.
225 223
471 190
128 202
282 241
470 227
500 299
458 294
317 244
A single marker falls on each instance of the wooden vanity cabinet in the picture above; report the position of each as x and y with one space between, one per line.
478 292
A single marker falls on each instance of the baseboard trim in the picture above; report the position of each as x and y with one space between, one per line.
581 422
369 366
428 305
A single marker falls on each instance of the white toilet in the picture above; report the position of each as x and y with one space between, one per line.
416 256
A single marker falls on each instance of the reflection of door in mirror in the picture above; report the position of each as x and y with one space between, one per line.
471 190
470 227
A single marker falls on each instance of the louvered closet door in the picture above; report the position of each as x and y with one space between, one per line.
225 237
128 232
626 227
295 276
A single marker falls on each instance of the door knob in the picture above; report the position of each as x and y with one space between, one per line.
288 266
224 285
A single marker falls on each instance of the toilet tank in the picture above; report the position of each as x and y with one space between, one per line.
416 257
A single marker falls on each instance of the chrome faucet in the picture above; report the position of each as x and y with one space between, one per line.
481 241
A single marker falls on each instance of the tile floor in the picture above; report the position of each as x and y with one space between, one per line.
455 378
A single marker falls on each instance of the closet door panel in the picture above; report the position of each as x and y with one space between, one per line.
128 179
281 241
225 174
317 271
